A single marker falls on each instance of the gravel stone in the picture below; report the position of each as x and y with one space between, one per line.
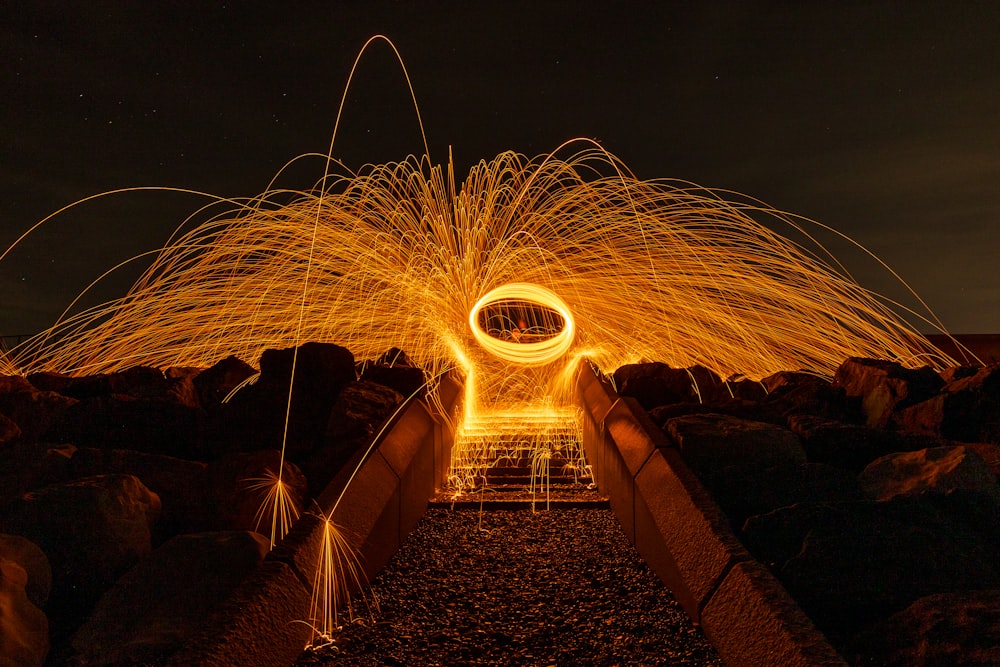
509 587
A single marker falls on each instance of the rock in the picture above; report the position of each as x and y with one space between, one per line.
958 372
26 466
179 483
885 386
321 370
91 530
937 470
797 393
746 389
654 384
160 425
254 418
217 382
967 409
236 487
27 554
9 431
137 382
35 412
863 561
989 453
24 629
852 446
407 380
711 442
360 409
166 598
960 628
742 492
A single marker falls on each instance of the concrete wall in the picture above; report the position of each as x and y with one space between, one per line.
683 536
377 504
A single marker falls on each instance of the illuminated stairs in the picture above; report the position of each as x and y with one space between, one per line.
522 461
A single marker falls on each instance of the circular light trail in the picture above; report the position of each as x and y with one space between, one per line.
522 351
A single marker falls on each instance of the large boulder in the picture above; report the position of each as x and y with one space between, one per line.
937 470
798 393
28 555
254 418
179 483
967 409
237 488
24 629
137 382
743 492
860 562
35 412
166 598
885 386
91 530
945 629
9 431
853 446
161 424
216 383
26 466
710 442
656 383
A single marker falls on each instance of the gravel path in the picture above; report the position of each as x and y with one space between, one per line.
562 587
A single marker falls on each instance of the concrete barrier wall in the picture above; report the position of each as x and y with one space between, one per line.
379 496
683 536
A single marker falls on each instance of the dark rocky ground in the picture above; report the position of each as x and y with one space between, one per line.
562 587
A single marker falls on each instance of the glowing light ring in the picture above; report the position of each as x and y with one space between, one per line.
528 354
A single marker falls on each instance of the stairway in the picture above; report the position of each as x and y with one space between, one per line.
521 462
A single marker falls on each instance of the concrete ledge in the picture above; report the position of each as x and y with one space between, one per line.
684 537
263 623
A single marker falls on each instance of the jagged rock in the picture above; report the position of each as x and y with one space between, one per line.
960 628
967 409
137 382
165 599
710 442
321 369
236 488
24 628
656 383
935 470
215 383
797 393
885 386
860 562
958 372
91 530
989 453
9 431
26 466
407 380
34 411
852 446
255 417
743 492
748 390
361 408
120 421
179 483
28 555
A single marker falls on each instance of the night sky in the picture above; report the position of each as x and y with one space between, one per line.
881 120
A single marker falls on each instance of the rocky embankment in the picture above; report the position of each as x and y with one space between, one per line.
872 497
129 501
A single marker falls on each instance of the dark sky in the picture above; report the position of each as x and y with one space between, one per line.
880 119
